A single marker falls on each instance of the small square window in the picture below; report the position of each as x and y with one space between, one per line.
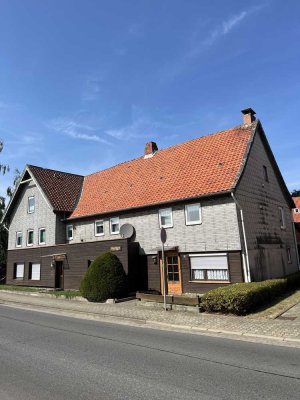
165 218
193 214
296 210
114 225
99 228
69 232
42 236
31 204
19 239
30 237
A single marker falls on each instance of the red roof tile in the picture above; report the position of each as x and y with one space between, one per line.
61 188
297 204
202 166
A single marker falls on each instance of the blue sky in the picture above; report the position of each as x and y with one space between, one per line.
85 84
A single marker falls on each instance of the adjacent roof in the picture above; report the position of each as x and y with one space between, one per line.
297 204
203 166
61 188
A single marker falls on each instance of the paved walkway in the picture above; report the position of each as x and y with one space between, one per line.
135 312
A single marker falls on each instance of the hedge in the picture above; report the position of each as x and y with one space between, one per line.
104 279
243 298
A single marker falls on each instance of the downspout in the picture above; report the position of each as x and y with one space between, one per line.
296 244
245 256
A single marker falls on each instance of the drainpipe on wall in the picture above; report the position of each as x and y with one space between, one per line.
245 256
296 245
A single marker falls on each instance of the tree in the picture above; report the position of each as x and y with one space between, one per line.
295 193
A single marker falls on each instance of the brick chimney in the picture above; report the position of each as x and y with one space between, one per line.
249 116
150 149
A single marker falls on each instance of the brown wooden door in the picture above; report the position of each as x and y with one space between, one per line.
173 273
59 274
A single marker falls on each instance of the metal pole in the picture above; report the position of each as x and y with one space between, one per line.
164 275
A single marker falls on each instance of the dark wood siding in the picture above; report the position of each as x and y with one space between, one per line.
235 273
75 263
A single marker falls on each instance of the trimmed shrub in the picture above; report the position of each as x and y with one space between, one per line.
242 298
104 279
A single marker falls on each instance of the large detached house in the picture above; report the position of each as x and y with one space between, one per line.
220 197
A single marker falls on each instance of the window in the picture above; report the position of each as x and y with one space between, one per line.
30 237
114 225
42 236
31 204
211 267
266 175
193 214
34 271
165 218
99 228
18 239
289 256
172 268
19 271
296 210
282 219
89 263
69 232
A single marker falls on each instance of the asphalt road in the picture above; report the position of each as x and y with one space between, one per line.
44 356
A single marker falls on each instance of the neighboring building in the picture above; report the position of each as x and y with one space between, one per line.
220 197
296 217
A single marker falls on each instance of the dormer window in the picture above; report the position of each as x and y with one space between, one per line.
31 204
297 210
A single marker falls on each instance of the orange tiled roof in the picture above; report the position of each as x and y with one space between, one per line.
297 204
202 166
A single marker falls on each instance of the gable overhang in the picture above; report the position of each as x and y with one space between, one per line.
17 191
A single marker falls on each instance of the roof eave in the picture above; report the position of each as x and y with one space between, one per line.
198 197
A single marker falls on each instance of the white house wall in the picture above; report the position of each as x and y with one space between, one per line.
42 217
218 231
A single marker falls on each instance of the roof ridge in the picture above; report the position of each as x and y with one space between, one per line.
54 170
171 147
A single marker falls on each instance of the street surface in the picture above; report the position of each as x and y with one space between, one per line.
44 356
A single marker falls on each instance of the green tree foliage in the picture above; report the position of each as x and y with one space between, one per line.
104 279
295 193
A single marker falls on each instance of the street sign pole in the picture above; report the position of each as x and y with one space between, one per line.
163 237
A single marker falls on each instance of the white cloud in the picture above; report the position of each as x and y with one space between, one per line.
76 130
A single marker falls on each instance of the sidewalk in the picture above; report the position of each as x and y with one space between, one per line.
133 312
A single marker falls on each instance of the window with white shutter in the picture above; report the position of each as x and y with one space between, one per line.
213 267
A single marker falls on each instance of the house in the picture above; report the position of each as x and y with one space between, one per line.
220 197
296 217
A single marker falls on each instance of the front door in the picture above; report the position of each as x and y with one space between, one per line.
173 273
59 275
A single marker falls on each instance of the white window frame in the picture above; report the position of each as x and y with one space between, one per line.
296 210
186 214
99 221
207 269
19 234
27 241
28 206
111 222
23 270
282 218
39 274
160 211
42 229
72 228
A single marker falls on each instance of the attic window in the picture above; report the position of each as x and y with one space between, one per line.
296 210
31 204
266 175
